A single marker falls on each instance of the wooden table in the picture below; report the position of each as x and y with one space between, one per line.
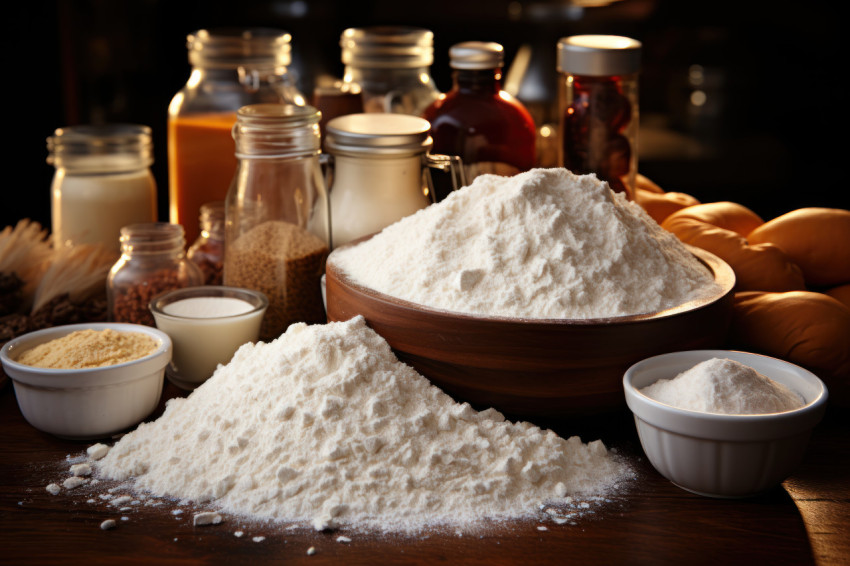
806 521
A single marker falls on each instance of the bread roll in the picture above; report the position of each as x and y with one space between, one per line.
757 268
816 239
661 205
728 215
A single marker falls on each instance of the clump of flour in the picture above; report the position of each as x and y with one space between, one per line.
724 386
325 425
542 244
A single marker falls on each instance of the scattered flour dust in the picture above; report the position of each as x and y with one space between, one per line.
544 244
325 426
725 386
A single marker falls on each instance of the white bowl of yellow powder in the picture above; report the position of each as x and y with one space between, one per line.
86 381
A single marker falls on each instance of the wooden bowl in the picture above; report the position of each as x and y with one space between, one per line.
552 368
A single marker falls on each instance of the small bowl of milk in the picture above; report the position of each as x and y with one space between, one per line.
206 325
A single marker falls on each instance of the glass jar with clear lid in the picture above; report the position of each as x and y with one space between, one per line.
102 182
231 68
390 65
277 225
598 105
152 261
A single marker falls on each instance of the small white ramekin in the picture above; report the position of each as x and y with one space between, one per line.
719 455
87 403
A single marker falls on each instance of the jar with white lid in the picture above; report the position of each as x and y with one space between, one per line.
390 66
598 106
102 182
380 171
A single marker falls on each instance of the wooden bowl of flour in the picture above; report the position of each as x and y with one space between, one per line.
524 367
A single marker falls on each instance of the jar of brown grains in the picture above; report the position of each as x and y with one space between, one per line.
152 260
207 252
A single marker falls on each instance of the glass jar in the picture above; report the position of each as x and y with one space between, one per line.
490 130
102 182
390 65
230 69
598 103
277 228
152 261
207 252
380 175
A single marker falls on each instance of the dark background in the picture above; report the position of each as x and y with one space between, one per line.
771 135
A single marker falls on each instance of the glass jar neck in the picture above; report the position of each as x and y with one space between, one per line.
276 131
113 148
478 81
384 79
152 240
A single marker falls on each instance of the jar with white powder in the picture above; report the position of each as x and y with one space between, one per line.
102 182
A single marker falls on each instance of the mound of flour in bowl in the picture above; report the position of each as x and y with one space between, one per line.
542 244
325 425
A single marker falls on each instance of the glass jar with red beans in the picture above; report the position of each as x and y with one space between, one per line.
598 105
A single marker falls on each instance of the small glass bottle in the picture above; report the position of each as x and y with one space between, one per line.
207 252
490 130
390 65
598 103
102 182
152 261
277 225
379 166
230 69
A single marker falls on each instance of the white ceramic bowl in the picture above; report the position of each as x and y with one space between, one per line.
87 403
720 455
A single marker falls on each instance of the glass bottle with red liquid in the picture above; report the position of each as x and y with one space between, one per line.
598 105
490 130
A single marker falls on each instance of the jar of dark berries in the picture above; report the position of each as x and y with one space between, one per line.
207 252
598 104
152 260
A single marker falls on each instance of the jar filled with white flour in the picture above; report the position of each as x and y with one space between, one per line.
102 182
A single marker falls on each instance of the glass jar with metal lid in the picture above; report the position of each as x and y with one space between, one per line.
231 68
598 104
380 171
276 235
390 65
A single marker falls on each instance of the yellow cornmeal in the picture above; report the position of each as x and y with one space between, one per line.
89 349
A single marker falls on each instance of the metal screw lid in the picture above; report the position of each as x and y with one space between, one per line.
378 135
599 55
387 47
476 55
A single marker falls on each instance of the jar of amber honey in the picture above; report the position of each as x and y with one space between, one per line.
230 69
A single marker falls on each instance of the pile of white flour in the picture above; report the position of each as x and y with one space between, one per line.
542 244
720 385
325 425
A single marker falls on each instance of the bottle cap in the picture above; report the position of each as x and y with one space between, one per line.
476 55
599 55
379 135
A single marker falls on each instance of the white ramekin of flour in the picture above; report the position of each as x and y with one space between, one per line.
715 450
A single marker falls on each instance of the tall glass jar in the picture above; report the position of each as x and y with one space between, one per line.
277 224
390 65
598 105
490 130
102 182
152 261
230 69
207 252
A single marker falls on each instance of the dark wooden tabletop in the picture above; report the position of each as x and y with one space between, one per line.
805 521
